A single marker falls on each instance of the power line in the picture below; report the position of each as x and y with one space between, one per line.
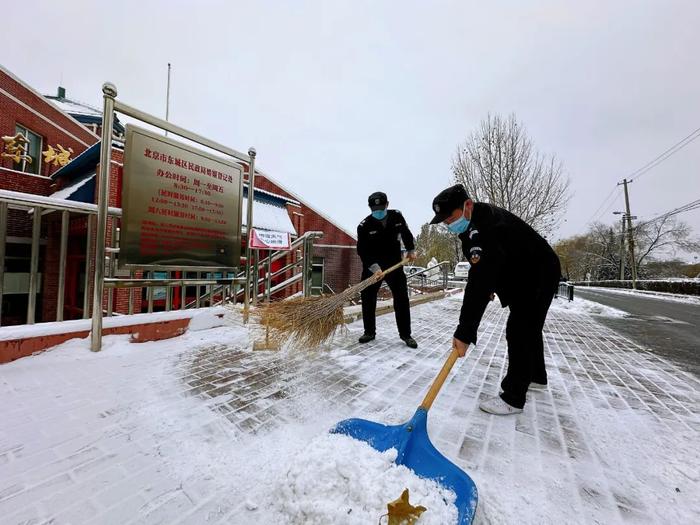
681 209
595 213
635 175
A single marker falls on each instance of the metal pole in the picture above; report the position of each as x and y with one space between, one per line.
110 268
255 258
88 266
168 298
268 284
630 235
131 294
65 219
34 266
183 292
167 99
306 268
199 289
622 250
149 293
3 238
249 222
110 92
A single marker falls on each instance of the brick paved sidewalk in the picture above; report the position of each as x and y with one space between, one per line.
178 431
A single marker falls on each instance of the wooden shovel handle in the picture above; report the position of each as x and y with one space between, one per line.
439 380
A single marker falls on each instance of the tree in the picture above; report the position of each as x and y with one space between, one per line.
666 236
435 241
499 164
596 254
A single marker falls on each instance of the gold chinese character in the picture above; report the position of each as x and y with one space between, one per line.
58 158
16 148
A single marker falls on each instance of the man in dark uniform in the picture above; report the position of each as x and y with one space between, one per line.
379 246
512 260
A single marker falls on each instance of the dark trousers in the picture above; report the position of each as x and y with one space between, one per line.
525 347
396 281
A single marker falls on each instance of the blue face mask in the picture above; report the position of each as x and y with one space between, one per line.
379 214
460 225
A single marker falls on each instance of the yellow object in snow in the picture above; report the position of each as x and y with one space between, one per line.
401 512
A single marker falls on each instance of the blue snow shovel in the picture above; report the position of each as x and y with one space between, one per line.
415 450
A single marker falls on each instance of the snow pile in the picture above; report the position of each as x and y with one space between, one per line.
337 479
206 319
295 474
581 306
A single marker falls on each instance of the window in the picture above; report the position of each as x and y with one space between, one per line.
33 151
317 276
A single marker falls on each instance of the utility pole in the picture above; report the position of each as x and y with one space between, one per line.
622 245
630 233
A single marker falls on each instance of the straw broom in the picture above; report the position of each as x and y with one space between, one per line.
307 322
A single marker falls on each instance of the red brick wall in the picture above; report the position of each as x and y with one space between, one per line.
55 128
12 112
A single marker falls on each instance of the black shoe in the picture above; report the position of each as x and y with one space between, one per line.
366 338
410 342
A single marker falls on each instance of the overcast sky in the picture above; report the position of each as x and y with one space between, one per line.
341 99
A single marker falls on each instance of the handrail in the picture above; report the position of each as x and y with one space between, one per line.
420 272
30 201
295 244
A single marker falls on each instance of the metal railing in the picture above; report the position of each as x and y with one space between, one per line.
39 207
565 290
209 289
298 270
424 280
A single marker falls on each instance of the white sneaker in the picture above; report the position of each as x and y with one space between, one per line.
539 387
496 405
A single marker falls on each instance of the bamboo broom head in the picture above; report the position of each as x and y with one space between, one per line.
308 322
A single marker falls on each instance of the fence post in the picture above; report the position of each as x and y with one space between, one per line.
3 238
65 218
249 226
110 93
34 266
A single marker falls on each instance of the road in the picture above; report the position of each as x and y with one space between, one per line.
668 328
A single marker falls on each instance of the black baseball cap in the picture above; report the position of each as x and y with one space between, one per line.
377 201
448 201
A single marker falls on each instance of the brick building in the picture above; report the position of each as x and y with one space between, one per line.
28 120
55 128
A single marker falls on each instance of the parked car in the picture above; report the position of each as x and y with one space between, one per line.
462 271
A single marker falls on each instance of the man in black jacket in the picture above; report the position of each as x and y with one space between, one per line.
379 238
512 260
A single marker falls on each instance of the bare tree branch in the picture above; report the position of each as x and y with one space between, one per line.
498 164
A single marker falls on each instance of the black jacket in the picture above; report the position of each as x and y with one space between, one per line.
508 258
378 242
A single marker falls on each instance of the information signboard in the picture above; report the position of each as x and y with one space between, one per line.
269 240
180 206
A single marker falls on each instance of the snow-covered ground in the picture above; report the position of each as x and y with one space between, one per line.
580 306
202 429
680 298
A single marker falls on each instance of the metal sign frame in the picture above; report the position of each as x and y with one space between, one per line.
135 133
110 106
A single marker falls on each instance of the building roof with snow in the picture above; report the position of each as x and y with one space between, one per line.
83 113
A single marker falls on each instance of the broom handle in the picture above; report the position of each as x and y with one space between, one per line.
396 266
439 380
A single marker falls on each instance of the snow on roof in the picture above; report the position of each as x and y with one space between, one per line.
69 190
269 217
323 215
277 195
74 108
